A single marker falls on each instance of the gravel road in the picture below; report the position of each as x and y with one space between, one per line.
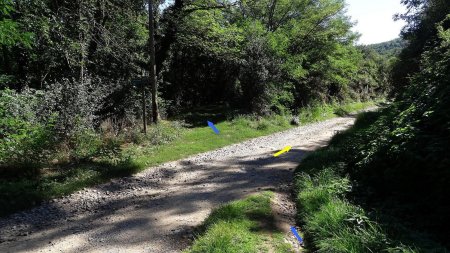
157 209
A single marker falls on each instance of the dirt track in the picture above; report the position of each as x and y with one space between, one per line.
155 211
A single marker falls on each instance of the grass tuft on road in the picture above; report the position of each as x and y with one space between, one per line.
244 226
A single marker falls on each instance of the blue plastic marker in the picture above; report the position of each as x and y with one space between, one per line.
214 128
294 231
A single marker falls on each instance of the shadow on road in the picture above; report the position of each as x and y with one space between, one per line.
215 183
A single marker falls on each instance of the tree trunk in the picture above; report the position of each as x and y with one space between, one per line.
172 22
152 73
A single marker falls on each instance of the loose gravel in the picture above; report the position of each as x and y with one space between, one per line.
156 210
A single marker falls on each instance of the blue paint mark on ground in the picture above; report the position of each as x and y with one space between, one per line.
294 231
214 128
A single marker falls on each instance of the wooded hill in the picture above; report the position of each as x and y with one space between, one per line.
389 48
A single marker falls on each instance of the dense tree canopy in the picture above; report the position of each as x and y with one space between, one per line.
300 51
86 62
203 48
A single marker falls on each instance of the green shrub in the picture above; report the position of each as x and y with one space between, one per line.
25 142
281 120
262 125
134 135
86 144
365 154
164 132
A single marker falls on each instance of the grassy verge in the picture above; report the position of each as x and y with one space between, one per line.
242 226
169 141
328 201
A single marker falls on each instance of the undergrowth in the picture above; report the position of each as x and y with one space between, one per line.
92 157
336 204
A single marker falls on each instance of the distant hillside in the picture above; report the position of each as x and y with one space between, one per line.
389 48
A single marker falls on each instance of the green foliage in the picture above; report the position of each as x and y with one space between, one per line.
389 48
269 56
421 33
258 75
321 111
238 227
10 31
331 222
401 158
260 123
25 140
209 33
75 39
86 144
397 159
93 160
394 161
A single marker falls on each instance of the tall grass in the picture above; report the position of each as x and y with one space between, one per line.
241 226
327 207
332 223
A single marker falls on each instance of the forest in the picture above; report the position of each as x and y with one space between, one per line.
75 75
92 90
389 48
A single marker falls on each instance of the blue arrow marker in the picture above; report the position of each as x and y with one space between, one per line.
294 231
214 128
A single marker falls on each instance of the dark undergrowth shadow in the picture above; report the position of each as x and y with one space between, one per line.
198 117
22 193
398 220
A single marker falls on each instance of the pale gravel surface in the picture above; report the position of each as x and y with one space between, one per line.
156 210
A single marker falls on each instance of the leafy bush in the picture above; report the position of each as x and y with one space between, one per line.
402 157
164 132
86 144
258 73
25 141
76 104
324 192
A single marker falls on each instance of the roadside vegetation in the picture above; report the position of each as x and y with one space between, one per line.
97 157
75 93
245 226
338 207
382 186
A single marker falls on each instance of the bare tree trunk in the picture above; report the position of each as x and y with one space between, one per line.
152 73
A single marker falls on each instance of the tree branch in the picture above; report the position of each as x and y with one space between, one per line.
208 7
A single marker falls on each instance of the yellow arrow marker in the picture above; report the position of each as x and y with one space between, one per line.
284 150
